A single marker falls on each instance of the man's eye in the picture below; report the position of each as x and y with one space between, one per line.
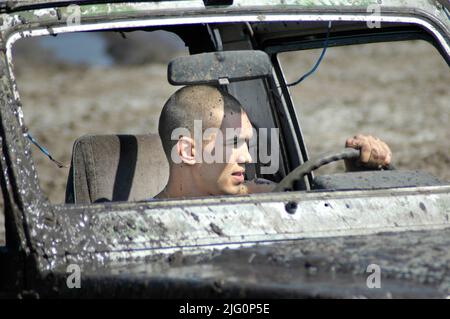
238 142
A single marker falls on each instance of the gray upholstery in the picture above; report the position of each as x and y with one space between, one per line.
116 168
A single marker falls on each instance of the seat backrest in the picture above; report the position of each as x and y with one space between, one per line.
116 168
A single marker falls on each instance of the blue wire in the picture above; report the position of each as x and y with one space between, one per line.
44 150
325 46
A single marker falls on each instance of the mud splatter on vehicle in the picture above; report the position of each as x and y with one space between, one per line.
309 242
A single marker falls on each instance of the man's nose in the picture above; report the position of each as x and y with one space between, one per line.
244 155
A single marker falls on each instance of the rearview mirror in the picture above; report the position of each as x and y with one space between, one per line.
219 67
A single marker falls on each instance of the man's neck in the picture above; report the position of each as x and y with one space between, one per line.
181 184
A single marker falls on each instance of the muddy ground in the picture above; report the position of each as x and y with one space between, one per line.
399 92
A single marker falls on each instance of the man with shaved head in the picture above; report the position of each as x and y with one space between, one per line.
217 112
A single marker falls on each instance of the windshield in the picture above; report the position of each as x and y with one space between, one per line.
93 101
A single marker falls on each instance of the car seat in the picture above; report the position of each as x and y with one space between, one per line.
116 168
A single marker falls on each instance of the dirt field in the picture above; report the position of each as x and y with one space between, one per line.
399 92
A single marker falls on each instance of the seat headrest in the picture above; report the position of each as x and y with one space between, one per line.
116 168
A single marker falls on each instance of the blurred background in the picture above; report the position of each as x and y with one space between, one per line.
92 83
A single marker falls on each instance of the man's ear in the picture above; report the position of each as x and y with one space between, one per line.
186 150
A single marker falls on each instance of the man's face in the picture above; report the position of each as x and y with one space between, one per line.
226 177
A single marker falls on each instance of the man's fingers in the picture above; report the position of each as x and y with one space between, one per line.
361 143
351 142
355 142
366 151
388 154
388 159
380 153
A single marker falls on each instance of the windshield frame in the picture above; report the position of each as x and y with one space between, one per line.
39 215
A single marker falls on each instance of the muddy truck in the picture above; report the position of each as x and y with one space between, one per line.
382 233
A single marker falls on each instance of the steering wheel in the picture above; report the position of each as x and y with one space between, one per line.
287 183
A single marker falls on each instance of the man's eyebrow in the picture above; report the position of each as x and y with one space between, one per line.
233 137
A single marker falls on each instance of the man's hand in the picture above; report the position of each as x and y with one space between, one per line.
374 153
